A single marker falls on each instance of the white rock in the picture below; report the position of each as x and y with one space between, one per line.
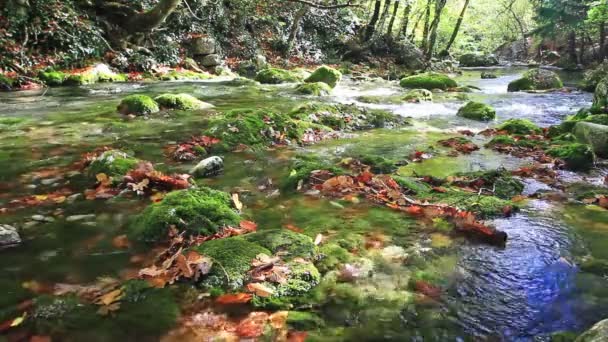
9 235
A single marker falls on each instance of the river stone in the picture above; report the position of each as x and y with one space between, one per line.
600 98
9 235
594 135
211 60
488 75
203 46
597 333
208 167
477 60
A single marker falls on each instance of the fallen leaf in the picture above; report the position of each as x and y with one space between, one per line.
253 325
121 241
110 297
260 290
248 226
234 298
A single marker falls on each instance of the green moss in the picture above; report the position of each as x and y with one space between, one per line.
477 111
6 83
332 256
52 78
595 266
502 140
184 75
484 206
81 79
576 156
304 321
282 240
303 278
504 185
277 76
111 77
113 163
231 260
302 168
325 74
537 79
138 105
316 89
418 95
519 126
594 76
196 211
563 336
378 164
412 185
428 81
180 101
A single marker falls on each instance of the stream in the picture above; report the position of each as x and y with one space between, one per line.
523 292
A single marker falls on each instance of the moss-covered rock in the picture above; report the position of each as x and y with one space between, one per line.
332 255
576 156
519 126
286 241
138 105
597 333
486 75
536 79
302 279
378 164
594 135
477 111
428 81
316 89
418 95
412 185
302 168
201 211
113 163
304 321
484 206
181 101
52 78
231 260
184 75
277 76
477 60
600 97
325 74
593 77
81 79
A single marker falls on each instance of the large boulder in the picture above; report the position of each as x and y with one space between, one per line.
202 46
409 55
140 105
537 79
428 81
9 236
418 95
277 76
597 333
600 98
211 60
578 157
594 135
211 166
325 74
181 101
477 60
477 111
315 89
594 76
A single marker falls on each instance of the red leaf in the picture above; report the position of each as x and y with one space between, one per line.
249 226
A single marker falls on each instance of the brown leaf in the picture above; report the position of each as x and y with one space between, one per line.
260 290
121 241
253 325
110 297
234 298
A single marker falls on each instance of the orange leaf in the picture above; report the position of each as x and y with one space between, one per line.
260 290
248 226
121 241
234 298
414 210
297 336
293 228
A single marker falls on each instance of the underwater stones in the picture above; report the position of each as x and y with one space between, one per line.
594 135
201 211
231 260
52 78
181 101
486 75
140 105
208 167
576 156
418 95
597 333
477 60
536 79
113 163
286 241
325 74
600 97
277 76
519 126
9 236
428 81
211 60
315 89
477 111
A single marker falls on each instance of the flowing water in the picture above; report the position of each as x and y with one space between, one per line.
529 289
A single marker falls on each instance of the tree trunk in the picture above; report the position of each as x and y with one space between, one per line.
439 6
427 21
572 46
387 5
456 28
406 19
295 26
581 54
522 30
412 36
389 31
151 19
371 26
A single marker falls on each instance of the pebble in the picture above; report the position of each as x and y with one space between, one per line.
9 235
49 181
74 197
74 218
41 218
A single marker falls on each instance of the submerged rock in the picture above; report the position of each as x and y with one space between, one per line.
576 156
52 78
211 166
488 75
9 236
316 89
196 211
519 126
477 111
537 79
181 101
597 333
325 74
477 60
594 135
418 95
428 81
140 105
277 76
113 163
